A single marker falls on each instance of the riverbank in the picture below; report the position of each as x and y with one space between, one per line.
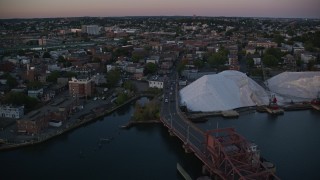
201 116
96 113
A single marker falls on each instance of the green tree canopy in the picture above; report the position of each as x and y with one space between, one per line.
34 85
46 55
122 97
217 59
250 62
150 68
53 76
275 52
19 99
63 61
113 77
135 58
278 39
270 60
11 81
129 85
198 63
181 66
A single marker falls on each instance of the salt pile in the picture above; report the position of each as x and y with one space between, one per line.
296 84
224 91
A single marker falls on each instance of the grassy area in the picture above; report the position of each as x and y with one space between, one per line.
149 111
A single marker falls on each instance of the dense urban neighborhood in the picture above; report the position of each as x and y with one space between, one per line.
52 70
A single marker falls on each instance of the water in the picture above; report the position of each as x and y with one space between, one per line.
290 141
142 152
149 152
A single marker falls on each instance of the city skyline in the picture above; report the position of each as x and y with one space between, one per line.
100 8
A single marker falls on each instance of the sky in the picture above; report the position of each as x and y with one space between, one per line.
108 8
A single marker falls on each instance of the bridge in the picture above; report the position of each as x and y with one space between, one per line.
224 152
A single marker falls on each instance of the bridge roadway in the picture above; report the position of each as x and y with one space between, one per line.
224 153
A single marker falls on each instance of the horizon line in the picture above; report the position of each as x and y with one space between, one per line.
261 17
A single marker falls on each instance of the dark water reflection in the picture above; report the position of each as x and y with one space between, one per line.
142 152
291 140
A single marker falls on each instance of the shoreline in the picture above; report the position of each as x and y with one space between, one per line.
92 116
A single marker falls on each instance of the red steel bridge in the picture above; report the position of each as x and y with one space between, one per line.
224 152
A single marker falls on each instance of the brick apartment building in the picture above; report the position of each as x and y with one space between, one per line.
80 87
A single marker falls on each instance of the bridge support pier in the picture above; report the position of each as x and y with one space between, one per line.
170 132
186 148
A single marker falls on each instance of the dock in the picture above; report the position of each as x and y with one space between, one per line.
230 114
316 107
274 111
201 116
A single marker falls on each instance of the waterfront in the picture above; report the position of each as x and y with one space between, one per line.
290 141
149 152
142 152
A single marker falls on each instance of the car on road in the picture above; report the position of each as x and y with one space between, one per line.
166 100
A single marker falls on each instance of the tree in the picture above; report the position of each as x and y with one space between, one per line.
61 59
309 46
217 59
70 74
310 65
250 62
46 55
198 63
181 66
34 85
135 58
19 99
278 39
150 68
129 85
275 52
122 97
270 60
11 81
53 76
113 77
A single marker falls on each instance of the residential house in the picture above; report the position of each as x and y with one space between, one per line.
153 59
35 93
9 111
250 50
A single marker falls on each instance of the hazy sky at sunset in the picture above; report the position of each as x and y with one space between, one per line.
251 8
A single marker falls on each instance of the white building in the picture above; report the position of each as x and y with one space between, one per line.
91 29
257 61
35 93
156 83
11 112
153 59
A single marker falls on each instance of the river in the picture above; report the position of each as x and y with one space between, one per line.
142 152
149 152
290 141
